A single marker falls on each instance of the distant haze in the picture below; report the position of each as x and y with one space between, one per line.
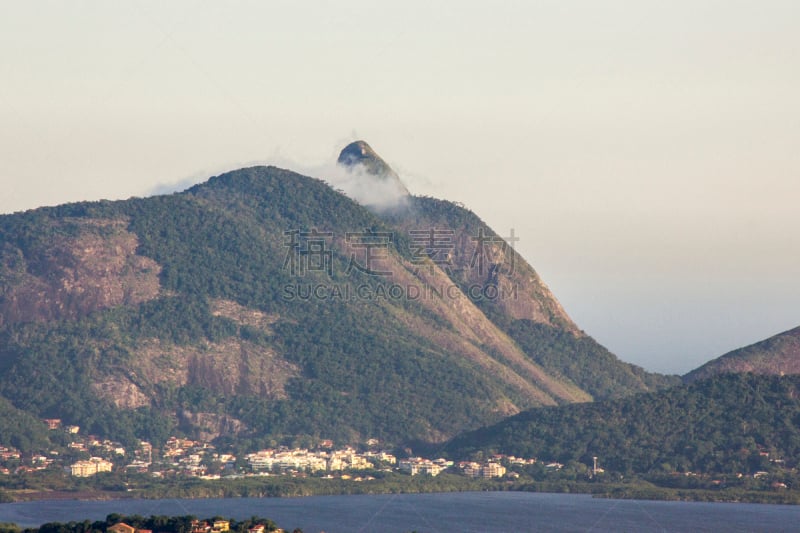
645 153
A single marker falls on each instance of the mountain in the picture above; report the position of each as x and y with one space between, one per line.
265 305
509 292
733 423
370 180
777 355
21 429
359 156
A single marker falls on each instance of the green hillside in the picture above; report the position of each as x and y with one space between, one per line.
533 318
735 423
777 355
243 308
20 429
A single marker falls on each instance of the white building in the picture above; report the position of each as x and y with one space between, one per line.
91 467
418 465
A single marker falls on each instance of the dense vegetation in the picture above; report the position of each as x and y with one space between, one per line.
572 478
160 523
582 360
362 369
731 424
778 355
20 429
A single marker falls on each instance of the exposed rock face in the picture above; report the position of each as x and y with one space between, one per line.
508 281
480 340
478 260
358 156
482 263
121 392
229 367
777 355
208 426
242 315
238 367
83 265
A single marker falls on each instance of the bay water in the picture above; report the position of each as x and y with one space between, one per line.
444 512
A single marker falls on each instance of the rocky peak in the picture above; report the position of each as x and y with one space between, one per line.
360 157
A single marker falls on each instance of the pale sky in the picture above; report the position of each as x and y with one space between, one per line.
645 153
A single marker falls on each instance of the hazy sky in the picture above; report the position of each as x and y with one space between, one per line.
647 154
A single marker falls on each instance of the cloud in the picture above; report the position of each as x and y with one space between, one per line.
376 192
369 190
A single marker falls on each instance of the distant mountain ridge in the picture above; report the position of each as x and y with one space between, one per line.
732 423
263 304
736 413
777 355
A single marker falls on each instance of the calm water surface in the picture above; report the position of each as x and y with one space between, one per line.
462 512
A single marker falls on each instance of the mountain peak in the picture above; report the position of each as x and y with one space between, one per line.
359 156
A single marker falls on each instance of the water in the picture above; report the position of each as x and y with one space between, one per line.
463 512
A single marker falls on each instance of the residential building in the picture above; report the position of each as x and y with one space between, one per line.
220 525
200 527
121 527
91 467
53 423
491 470
485 471
418 465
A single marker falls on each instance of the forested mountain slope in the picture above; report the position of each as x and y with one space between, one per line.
263 304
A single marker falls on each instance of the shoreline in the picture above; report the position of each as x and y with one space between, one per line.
609 491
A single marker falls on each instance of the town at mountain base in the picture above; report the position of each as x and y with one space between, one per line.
264 309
